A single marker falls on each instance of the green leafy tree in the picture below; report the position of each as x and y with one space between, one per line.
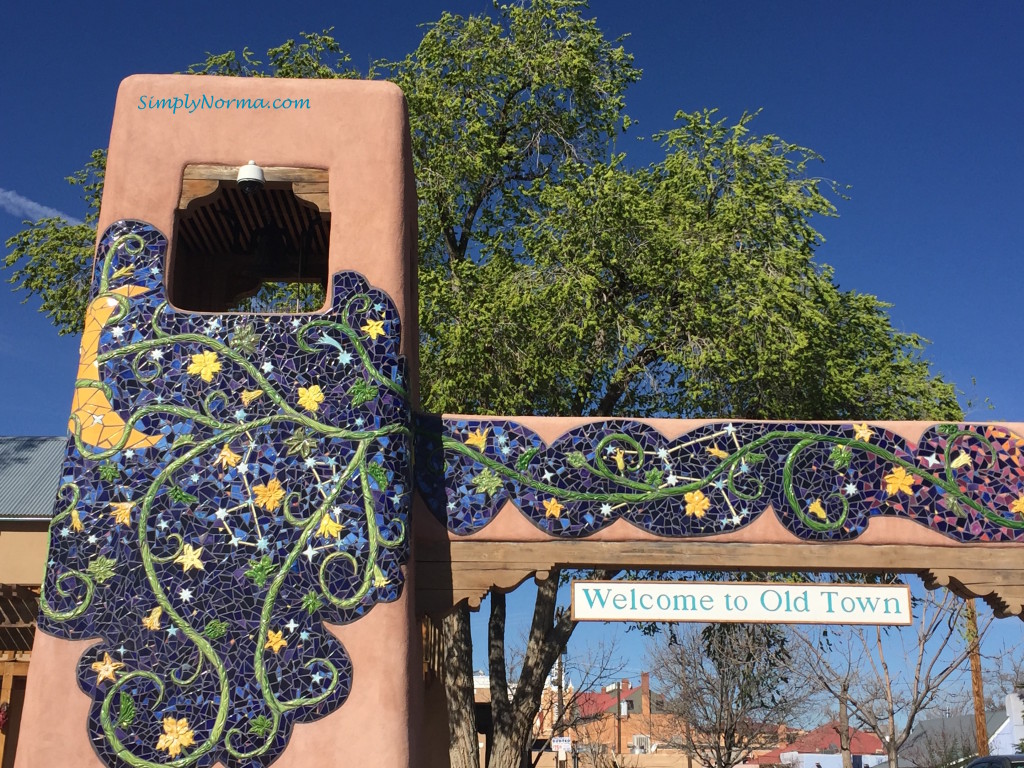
52 258
557 278
690 289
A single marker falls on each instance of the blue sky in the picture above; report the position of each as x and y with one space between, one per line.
917 106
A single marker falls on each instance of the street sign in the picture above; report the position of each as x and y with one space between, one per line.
561 743
747 602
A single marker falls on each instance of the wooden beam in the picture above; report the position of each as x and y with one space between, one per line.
270 173
17 640
195 189
202 179
449 572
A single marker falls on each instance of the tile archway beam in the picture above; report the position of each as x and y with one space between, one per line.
520 498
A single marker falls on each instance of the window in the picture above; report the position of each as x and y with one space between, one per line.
260 251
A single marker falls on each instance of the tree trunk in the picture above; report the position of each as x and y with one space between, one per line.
463 746
890 748
507 752
844 725
550 629
512 716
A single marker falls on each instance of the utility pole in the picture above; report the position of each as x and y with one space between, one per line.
980 728
618 717
560 721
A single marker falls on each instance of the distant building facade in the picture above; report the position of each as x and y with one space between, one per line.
29 474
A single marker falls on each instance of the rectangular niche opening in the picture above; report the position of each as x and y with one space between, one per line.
262 251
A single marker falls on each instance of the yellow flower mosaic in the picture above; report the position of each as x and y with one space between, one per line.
269 495
1017 506
863 432
329 528
249 395
152 621
311 397
204 365
121 511
697 504
275 640
478 439
899 481
553 508
190 558
106 669
374 328
227 458
176 736
817 509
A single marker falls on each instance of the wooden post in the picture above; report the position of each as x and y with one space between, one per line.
980 729
6 684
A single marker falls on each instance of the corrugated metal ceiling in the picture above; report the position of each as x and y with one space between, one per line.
29 475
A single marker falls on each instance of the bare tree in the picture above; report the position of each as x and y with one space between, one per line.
592 752
730 688
1004 673
829 669
516 689
573 676
853 666
842 724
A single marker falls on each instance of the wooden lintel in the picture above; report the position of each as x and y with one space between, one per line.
320 200
194 189
202 179
270 173
314 192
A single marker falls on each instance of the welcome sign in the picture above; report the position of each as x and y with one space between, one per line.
748 602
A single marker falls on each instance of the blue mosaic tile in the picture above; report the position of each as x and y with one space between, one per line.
825 482
231 483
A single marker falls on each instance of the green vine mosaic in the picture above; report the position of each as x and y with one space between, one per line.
825 482
232 482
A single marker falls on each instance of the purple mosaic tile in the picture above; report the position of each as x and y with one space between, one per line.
231 483
825 482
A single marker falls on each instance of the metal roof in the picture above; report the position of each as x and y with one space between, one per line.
945 733
30 469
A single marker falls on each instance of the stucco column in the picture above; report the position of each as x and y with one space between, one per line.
358 132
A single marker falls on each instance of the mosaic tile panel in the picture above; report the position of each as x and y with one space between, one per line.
231 483
825 482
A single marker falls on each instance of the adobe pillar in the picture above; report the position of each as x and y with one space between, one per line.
227 573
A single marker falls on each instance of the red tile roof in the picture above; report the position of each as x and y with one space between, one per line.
591 703
825 740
